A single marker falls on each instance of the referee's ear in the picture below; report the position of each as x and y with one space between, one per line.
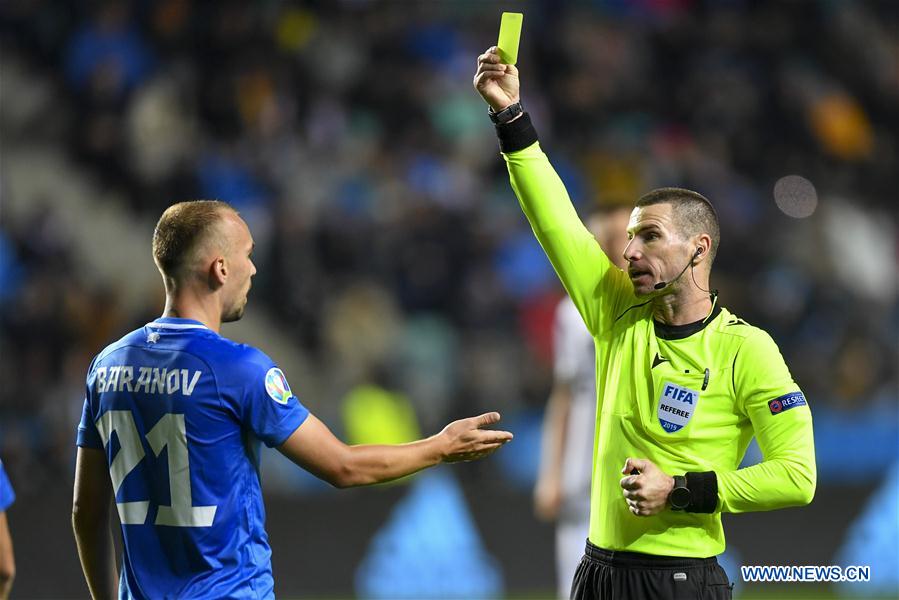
703 246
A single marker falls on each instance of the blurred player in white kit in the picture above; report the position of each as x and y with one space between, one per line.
562 493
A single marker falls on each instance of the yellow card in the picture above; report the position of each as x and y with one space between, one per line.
509 35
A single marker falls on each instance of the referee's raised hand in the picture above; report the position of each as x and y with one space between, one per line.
465 439
645 487
496 82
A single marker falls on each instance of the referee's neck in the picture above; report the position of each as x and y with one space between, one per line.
682 307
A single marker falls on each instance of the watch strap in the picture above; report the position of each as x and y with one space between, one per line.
505 115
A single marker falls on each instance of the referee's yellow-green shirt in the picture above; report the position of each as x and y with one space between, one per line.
688 399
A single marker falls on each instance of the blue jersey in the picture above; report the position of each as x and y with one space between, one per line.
181 412
7 495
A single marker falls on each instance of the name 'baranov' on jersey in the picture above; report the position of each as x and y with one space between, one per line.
150 380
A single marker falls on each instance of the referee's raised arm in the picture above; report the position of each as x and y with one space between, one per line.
575 254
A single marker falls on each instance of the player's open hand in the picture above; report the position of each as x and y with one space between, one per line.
496 82
465 439
646 493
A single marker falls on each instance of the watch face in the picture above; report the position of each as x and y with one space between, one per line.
680 497
505 115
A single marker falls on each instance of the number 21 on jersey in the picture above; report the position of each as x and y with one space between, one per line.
169 432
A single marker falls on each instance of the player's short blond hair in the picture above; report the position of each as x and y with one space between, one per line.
181 229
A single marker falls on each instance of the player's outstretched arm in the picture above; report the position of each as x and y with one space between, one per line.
91 521
316 449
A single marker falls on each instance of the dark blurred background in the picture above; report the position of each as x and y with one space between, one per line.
400 287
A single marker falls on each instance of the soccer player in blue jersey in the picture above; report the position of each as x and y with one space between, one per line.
7 559
173 419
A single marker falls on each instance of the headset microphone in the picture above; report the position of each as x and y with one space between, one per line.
663 284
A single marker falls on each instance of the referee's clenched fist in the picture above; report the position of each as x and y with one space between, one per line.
646 488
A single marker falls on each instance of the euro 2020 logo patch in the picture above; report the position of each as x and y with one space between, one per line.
276 385
677 404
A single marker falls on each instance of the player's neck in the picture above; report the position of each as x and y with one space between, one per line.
682 307
182 305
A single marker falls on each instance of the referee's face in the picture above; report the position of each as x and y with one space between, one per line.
656 251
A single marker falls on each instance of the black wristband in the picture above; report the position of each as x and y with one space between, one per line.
517 135
704 491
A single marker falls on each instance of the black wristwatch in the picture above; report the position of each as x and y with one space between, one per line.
680 497
505 115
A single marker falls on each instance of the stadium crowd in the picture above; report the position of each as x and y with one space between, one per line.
389 244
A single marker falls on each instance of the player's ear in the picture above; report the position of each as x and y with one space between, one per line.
218 272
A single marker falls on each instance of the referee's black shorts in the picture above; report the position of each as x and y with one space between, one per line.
606 575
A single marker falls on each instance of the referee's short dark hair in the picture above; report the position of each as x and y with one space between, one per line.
180 231
693 213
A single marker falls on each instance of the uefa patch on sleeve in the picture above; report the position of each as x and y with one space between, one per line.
276 385
791 400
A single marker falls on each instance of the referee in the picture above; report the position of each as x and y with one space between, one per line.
683 383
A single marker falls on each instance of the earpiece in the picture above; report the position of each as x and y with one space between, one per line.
663 284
